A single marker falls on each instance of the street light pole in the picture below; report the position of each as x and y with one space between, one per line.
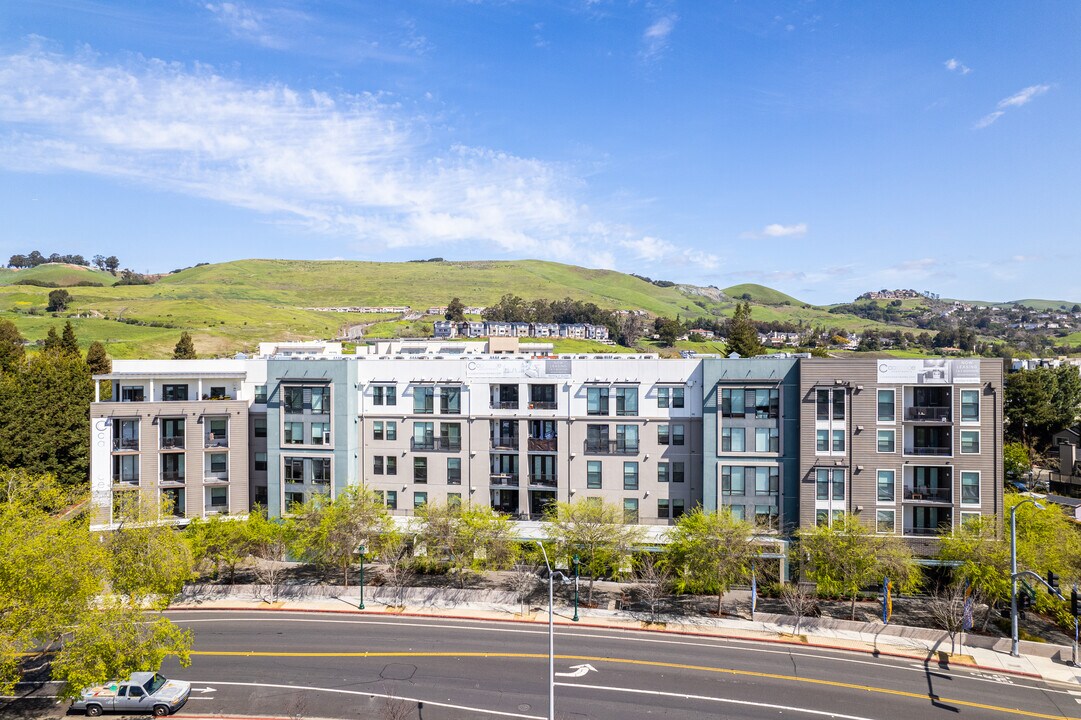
361 551
551 641
1015 645
576 561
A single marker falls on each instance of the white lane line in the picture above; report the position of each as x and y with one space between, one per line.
365 693
718 644
727 701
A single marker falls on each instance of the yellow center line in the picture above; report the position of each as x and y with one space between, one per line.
630 661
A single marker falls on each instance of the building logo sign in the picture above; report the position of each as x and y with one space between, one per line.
540 368
928 372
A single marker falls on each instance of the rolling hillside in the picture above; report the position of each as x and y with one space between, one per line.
229 307
60 274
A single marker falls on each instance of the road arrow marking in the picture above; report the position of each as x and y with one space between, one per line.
579 671
204 690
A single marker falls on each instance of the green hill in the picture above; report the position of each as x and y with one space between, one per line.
59 274
760 294
1046 304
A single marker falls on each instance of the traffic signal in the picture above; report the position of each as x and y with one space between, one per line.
1052 580
1024 602
1075 603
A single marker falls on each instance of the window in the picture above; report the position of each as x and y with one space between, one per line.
377 430
677 472
420 499
392 499
970 488
593 475
767 440
293 399
454 471
765 516
424 400
630 475
822 485
887 405
822 518
627 439
542 397
630 511
171 393
597 401
321 400
172 433
420 469
732 482
838 404
822 441
454 501
294 469
970 406
970 442
392 430
260 461
662 472
259 427
767 480
822 405
626 401
597 438
838 441
670 397
887 441
320 433
969 517
450 436
384 394
377 464
765 402
321 470
677 434
219 462
886 486
739 512
131 393
731 403
260 394
392 465
885 522
662 434
732 440
172 467
677 508
450 400
294 433
219 429
838 482
663 509
217 391
292 499
423 436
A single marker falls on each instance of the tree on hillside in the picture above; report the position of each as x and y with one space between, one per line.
709 551
98 360
329 532
52 341
112 263
742 334
12 350
1041 402
99 262
668 330
59 300
185 348
69 343
594 531
455 310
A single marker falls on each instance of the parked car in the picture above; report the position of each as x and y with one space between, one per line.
143 692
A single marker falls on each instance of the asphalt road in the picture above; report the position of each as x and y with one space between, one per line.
318 665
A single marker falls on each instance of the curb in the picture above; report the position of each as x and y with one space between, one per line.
602 626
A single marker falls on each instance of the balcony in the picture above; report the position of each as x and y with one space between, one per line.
216 441
503 480
125 479
925 531
610 447
504 405
543 480
942 451
125 444
543 405
543 445
436 443
172 443
504 442
215 476
924 493
931 413
172 476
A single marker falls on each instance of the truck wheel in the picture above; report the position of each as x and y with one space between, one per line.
161 710
93 710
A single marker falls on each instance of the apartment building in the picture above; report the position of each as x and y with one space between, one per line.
913 447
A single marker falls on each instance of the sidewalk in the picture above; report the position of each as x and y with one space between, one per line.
1046 661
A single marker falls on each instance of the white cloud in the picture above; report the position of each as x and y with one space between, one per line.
655 38
246 23
955 65
777 230
1018 99
350 166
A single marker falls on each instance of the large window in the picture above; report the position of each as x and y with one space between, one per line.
320 400
392 465
767 480
630 475
830 404
765 517
970 488
320 433
664 509
677 434
392 430
670 397
887 486
597 401
392 499
732 480
294 433
732 440
294 469
377 464
767 440
677 472
887 441
260 394
970 406
384 395
760 403
424 400
454 471
450 400
970 442
627 439
171 393
593 475
420 499
626 401
450 436
172 433
887 406
423 436
886 522
321 470
293 399
670 435
420 469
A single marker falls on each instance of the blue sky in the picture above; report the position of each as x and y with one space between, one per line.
820 148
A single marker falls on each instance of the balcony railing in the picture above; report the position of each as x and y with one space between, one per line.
217 508
503 480
926 530
214 441
436 443
545 445
122 444
611 447
219 476
928 414
543 479
125 480
504 405
929 494
929 450
543 405
172 443
172 476
505 442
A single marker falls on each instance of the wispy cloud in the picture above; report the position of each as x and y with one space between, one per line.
244 22
955 65
1018 99
655 38
777 230
356 167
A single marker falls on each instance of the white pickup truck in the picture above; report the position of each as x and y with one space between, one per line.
143 692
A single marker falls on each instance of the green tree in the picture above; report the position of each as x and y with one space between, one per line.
56 608
12 350
594 531
709 551
69 343
270 541
112 263
150 559
668 330
845 557
185 348
329 533
1017 461
1041 402
98 360
742 334
462 538
59 300
455 310
222 543
52 341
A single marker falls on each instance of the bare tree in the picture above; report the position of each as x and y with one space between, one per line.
397 564
523 580
800 601
947 608
653 583
396 708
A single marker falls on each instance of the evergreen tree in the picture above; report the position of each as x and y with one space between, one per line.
52 341
12 352
98 360
59 300
742 334
68 342
185 348
455 310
